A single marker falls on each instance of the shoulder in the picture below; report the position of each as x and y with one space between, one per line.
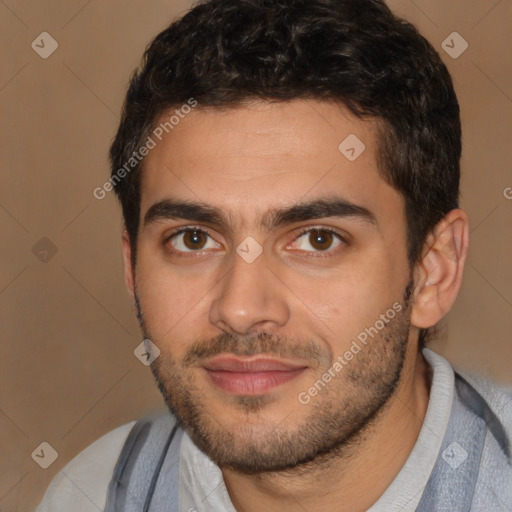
481 424
494 482
498 402
82 484
481 394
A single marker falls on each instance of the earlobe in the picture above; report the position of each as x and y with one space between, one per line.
129 274
438 275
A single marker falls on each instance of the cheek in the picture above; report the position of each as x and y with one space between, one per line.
352 300
170 302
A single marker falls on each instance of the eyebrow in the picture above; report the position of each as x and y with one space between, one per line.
272 219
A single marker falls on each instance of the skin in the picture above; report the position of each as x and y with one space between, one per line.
300 301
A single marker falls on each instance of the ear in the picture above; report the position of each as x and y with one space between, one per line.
438 274
129 271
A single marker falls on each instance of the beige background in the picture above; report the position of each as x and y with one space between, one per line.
68 373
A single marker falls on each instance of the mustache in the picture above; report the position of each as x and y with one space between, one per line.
256 344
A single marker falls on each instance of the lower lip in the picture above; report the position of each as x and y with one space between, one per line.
256 383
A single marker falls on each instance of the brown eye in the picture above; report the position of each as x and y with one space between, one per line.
321 239
318 240
194 240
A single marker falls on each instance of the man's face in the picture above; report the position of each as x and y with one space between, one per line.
252 313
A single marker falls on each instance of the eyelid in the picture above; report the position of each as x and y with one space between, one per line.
309 229
328 252
185 229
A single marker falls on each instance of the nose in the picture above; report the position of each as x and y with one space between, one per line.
249 298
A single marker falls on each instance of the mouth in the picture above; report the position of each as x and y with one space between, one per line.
250 376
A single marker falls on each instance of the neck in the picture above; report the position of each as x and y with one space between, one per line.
339 481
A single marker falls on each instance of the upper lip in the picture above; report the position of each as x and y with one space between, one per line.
250 365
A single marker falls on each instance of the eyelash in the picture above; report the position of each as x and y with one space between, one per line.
313 254
328 252
187 229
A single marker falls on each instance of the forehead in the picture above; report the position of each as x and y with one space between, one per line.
256 157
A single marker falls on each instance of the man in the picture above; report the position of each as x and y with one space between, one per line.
288 172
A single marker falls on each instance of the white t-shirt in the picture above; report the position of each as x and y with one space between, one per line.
83 483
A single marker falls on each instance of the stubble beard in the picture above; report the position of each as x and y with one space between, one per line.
338 418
